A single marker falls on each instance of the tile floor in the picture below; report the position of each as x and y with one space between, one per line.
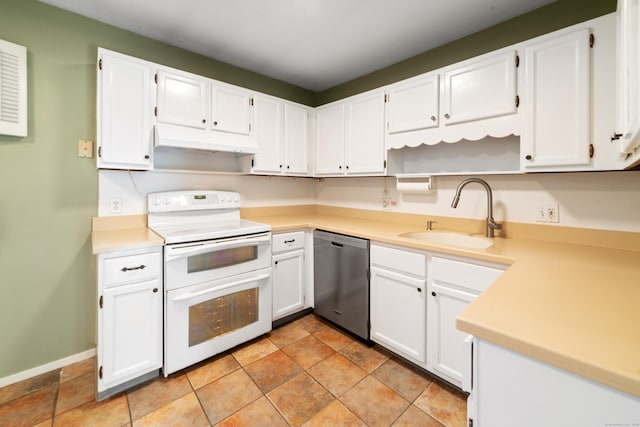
304 373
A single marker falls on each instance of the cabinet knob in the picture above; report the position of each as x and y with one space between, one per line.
446 116
215 123
146 157
433 118
347 167
155 290
340 167
433 293
275 262
280 166
419 289
528 157
204 121
288 167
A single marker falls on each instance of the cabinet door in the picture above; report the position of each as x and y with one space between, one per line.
231 109
268 132
629 75
480 89
296 139
131 341
398 310
182 100
125 112
365 151
413 105
330 140
557 102
288 283
444 341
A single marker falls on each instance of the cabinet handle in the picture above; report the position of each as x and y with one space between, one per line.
446 116
289 241
433 293
140 267
433 118
155 290
528 157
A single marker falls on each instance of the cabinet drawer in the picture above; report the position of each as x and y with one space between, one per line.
287 241
131 268
399 260
462 274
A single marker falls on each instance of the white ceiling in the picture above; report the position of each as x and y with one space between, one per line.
315 44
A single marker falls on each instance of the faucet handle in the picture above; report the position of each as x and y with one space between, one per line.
491 223
430 224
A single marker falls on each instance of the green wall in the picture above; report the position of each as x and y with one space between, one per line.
48 195
546 19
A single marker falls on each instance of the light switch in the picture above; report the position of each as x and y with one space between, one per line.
85 148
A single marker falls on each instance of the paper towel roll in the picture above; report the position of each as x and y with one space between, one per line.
413 185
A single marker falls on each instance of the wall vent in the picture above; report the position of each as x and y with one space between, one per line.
13 89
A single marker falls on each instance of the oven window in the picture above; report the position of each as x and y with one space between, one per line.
222 258
216 317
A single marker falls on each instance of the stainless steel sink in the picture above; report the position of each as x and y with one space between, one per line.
448 238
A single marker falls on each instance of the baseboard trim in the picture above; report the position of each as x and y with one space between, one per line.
56 364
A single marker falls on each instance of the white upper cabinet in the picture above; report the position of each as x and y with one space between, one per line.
182 100
296 139
413 104
281 129
330 139
231 109
350 136
480 89
364 141
628 127
267 116
557 102
125 104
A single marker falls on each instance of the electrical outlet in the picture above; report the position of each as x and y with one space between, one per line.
549 212
115 205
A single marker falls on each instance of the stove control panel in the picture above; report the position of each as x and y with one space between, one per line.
173 201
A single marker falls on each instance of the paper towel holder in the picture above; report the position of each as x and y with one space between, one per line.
414 183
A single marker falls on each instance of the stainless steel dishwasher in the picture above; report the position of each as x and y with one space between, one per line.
341 280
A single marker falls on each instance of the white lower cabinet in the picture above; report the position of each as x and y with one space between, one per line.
398 302
129 348
453 284
289 270
511 389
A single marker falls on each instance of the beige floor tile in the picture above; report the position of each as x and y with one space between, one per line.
308 351
333 338
204 373
335 415
337 374
402 378
367 358
78 369
253 351
227 395
47 423
259 413
299 399
374 403
76 392
444 405
272 370
185 411
30 409
287 334
311 323
30 385
151 396
109 412
415 417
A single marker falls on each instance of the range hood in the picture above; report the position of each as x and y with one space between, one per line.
207 140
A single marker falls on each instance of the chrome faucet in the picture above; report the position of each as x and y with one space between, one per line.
491 224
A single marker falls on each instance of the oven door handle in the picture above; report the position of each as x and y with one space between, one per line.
219 288
198 248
